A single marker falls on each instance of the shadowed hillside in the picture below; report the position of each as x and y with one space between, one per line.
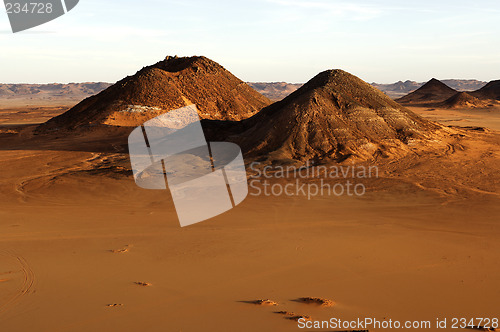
431 92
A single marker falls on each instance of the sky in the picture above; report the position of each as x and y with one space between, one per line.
380 41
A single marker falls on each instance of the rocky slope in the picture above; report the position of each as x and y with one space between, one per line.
334 116
169 84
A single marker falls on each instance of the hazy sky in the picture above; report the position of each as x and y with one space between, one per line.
261 40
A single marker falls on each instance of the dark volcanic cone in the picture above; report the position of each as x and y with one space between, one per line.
433 91
169 84
489 91
334 116
464 100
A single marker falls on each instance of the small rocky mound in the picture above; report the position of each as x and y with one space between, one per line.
489 91
464 100
431 92
167 85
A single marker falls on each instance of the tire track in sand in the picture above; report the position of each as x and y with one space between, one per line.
28 281
55 172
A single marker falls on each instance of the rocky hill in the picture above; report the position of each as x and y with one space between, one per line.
433 91
464 100
334 116
278 91
169 84
489 91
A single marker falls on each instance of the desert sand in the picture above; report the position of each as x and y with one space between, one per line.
487 118
15 116
79 239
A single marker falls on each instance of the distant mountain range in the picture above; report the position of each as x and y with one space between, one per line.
275 91
20 95
75 92
435 93
54 90
400 89
431 92
279 90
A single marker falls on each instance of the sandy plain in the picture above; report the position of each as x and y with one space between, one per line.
82 248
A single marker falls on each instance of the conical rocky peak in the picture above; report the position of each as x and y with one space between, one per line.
170 84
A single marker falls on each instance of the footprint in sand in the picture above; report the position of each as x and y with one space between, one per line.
286 314
293 316
315 300
265 302
121 251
